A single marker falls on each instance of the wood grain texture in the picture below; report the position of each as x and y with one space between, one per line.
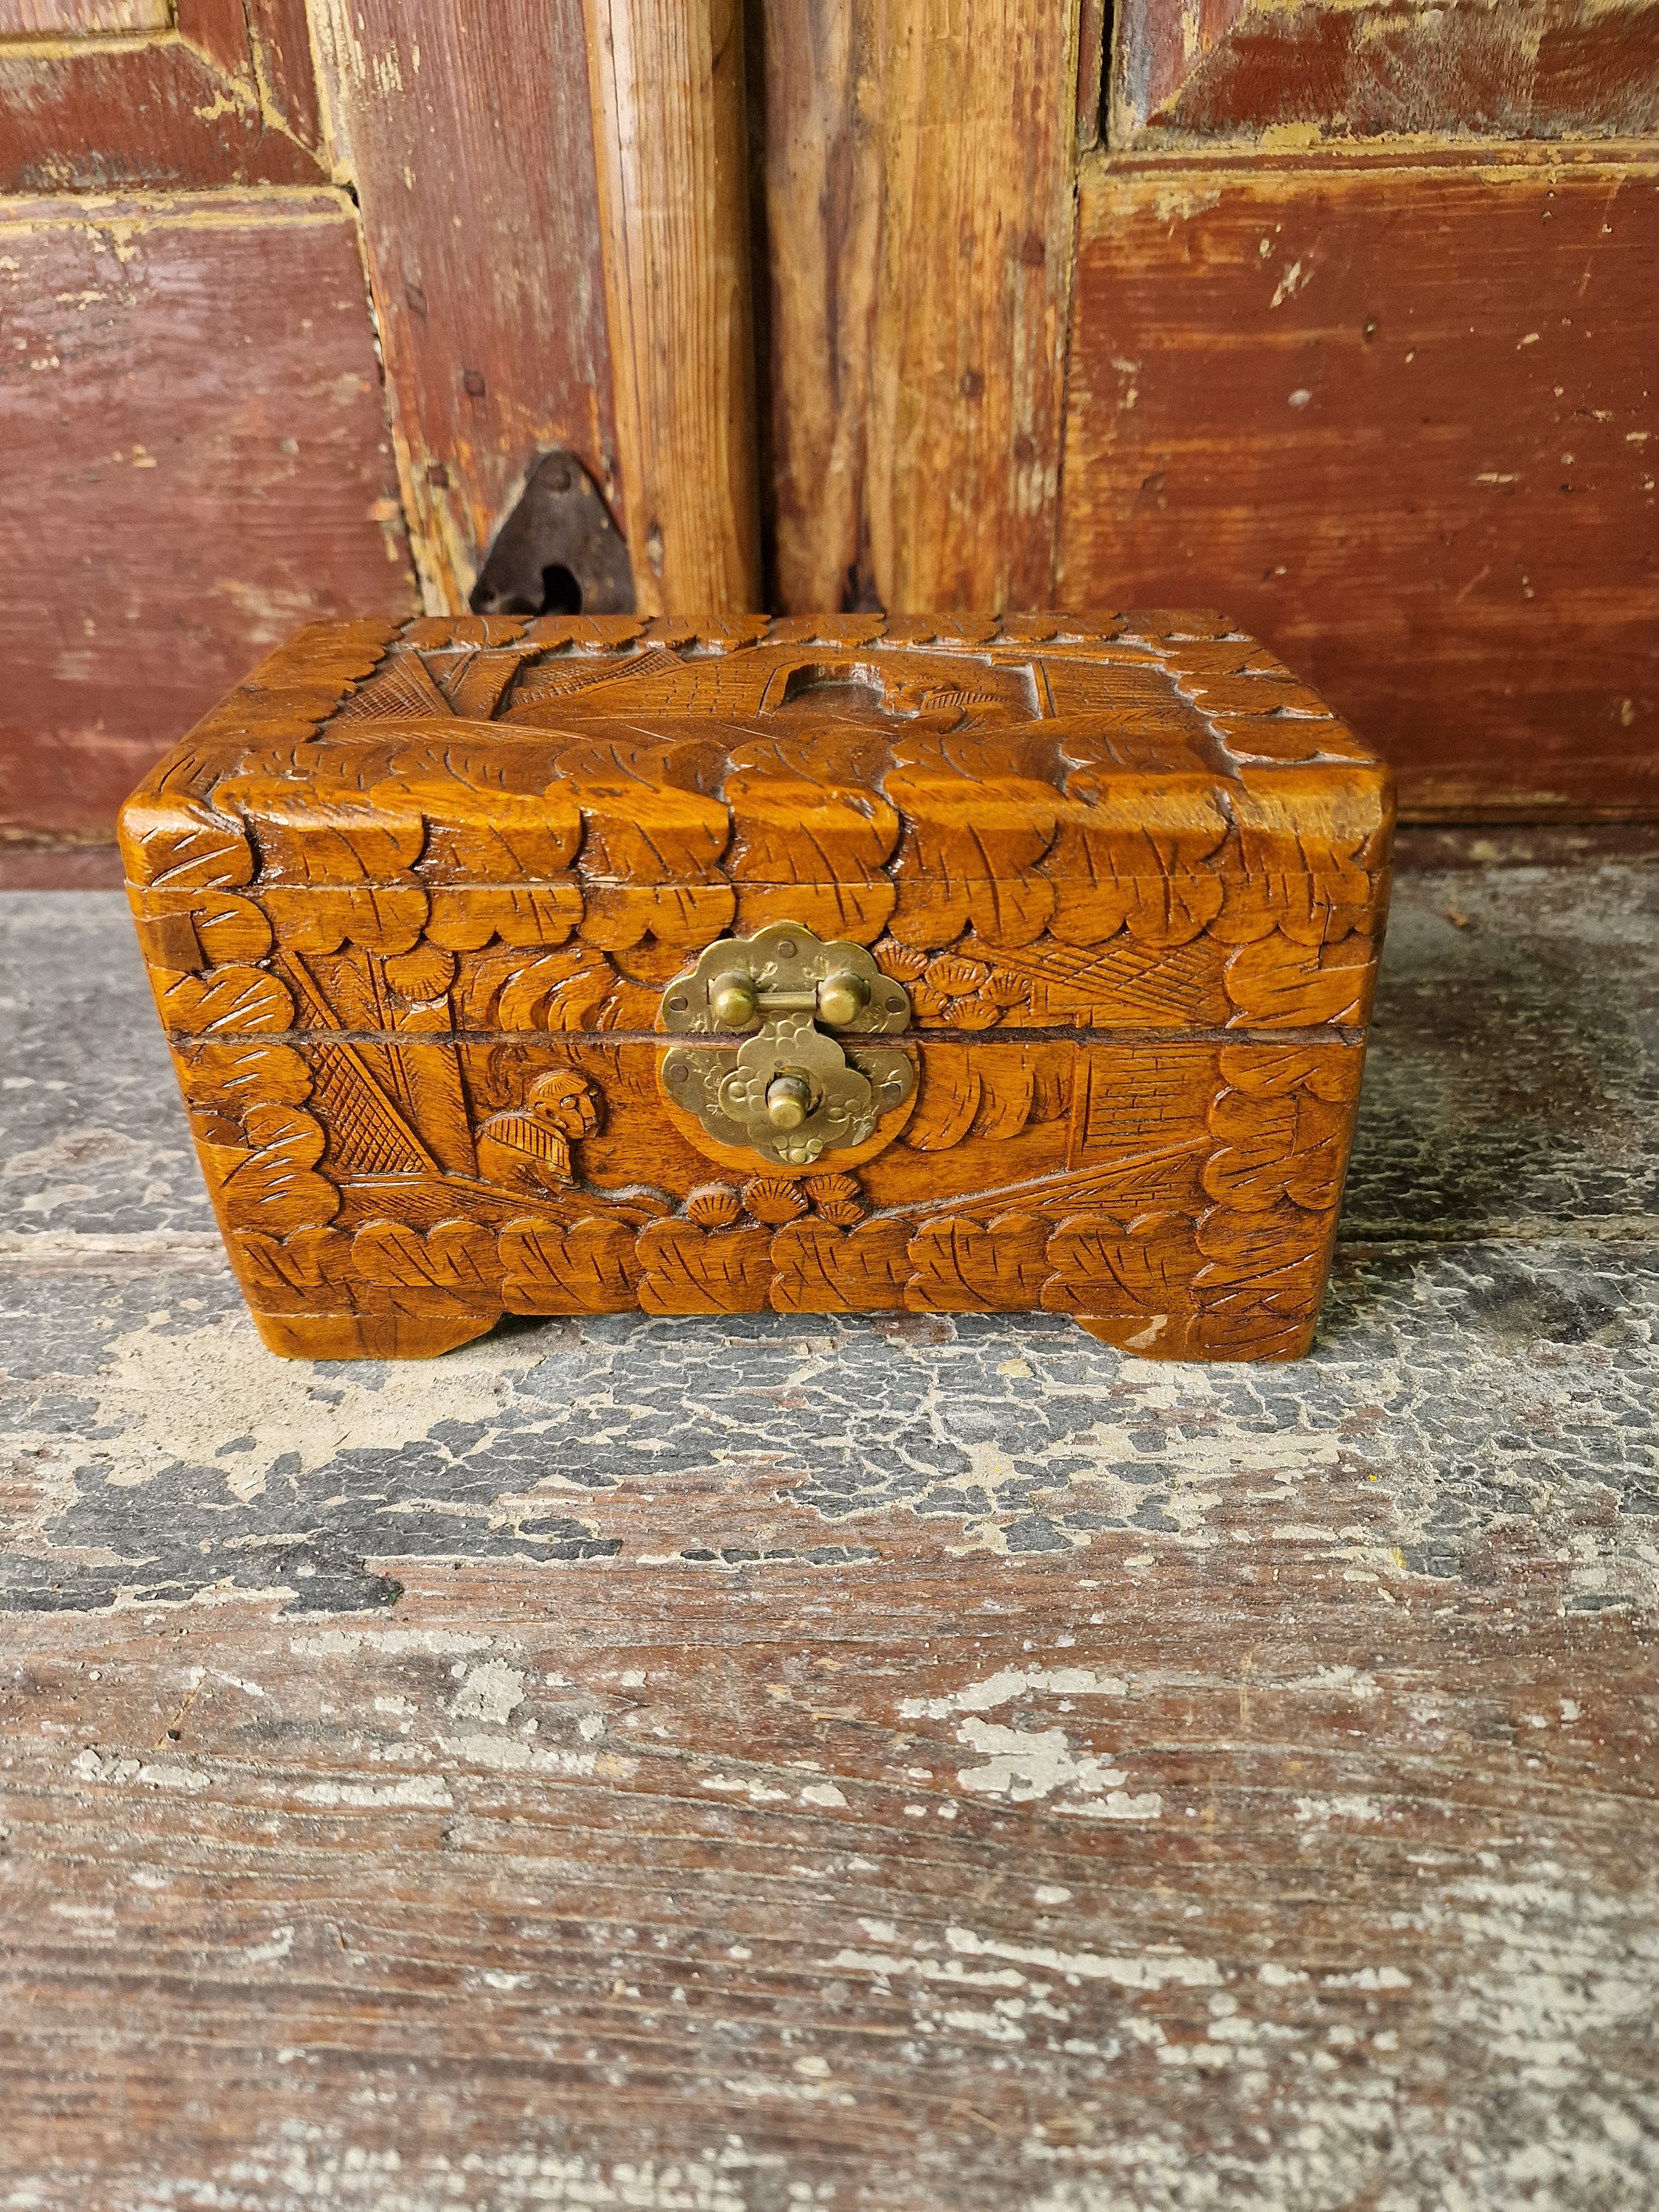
466 140
667 79
414 972
918 195
1426 475
196 458
895 1881
1521 68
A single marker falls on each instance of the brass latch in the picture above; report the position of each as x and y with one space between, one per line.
789 1091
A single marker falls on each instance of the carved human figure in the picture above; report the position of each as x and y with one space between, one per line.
528 1147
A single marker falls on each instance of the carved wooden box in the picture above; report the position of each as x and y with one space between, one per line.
837 966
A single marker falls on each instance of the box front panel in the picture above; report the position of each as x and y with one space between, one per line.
1182 1194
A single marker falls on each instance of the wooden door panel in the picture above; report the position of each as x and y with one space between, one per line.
197 460
1397 418
214 92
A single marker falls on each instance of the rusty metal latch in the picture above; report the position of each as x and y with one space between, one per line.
790 1091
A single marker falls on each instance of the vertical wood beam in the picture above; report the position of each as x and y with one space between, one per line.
671 138
468 136
918 187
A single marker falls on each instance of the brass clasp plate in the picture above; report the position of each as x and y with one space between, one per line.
790 1091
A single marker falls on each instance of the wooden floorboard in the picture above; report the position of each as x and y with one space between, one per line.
928 1765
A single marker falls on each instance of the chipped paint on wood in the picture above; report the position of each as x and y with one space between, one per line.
1280 72
461 146
199 461
222 99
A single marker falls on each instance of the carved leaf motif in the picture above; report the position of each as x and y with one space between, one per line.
855 909
1104 1266
979 812
1255 692
1277 984
1331 1072
715 633
682 916
948 1099
1054 1070
646 805
806 807
592 1267
225 929
230 1075
822 1268
171 840
1007 1082
1248 1324
586 633
312 1259
273 1187
324 833
1282 1247
811 831
527 914
387 918
453 1255
961 1265
689 1272
1274 1148
477 831
990 1090
1308 841
1135 856
229 998
1289 739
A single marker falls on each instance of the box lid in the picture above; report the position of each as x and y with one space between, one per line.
1117 821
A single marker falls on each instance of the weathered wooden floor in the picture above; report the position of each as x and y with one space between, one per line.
921 1766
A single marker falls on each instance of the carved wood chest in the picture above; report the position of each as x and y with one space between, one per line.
819 966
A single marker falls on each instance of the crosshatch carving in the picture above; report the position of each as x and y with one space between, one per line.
412 897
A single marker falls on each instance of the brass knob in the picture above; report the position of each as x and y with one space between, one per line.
733 1000
788 1100
843 998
